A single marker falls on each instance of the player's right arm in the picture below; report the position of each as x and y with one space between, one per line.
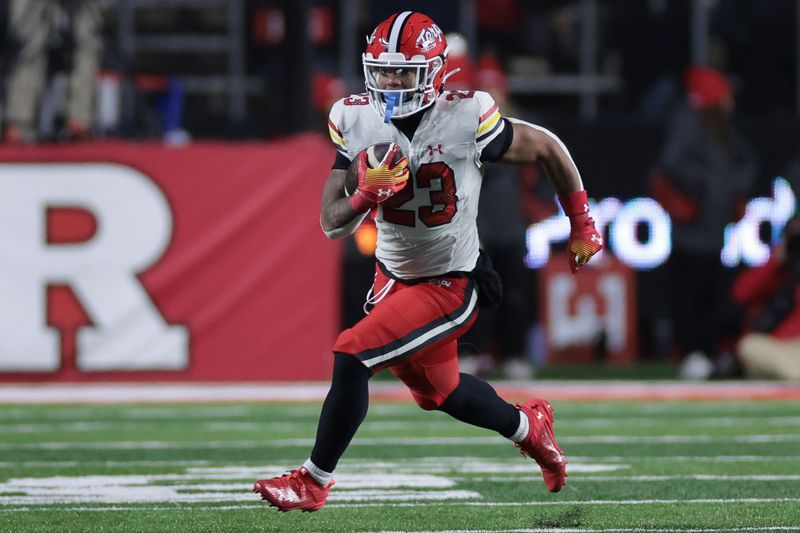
341 214
337 217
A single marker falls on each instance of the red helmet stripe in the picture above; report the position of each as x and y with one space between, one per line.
396 30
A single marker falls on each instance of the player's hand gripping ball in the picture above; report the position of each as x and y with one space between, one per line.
377 173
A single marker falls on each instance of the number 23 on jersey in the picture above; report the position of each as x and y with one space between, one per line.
443 203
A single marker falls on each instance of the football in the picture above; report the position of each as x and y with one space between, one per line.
375 155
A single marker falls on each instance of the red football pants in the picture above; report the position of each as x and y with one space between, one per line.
413 330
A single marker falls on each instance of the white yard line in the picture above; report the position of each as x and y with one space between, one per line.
14 393
611 530
406 441
357 464
705 501
684 458
703 421
366 463
728 501
178 412
678 439
687 458
603 479
69 464
378 425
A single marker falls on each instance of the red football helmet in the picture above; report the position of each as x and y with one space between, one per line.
405 43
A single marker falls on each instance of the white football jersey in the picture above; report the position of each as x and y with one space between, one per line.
428 228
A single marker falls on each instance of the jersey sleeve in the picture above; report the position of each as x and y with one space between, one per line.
497 147
490 124
335 119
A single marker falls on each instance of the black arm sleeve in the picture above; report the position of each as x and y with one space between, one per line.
498 147
341 162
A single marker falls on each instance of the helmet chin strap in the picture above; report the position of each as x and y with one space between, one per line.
391 101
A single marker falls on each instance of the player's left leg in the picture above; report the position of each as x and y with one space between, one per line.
344 409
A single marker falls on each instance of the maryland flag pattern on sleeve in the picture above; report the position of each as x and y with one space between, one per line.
336 137
333 130
489 123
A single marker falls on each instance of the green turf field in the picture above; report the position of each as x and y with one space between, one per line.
634 466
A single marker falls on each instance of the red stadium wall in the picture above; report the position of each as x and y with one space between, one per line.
140 262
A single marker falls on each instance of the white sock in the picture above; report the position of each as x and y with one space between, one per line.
320 476
522 430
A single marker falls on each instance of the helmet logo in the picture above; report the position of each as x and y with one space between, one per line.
371 39
429 38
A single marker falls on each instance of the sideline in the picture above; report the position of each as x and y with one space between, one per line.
110 393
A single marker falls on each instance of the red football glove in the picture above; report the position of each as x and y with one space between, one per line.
376 185
584 240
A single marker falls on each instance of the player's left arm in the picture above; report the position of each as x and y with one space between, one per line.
534 144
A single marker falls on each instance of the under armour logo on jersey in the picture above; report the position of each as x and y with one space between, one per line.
598 239
585 208
539 416
432 149
384 192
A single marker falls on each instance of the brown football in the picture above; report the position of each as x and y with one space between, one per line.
375 155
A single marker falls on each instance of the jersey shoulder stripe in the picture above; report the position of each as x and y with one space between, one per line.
489 114
354 125
490 122
336 136
493 128
335 119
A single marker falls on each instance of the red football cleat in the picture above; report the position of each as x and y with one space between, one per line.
295 490
541 446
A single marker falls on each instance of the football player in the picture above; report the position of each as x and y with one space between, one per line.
430 275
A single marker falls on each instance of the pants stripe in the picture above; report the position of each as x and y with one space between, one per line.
424 336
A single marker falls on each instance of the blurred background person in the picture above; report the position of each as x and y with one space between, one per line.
770 295
67 30
704 174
